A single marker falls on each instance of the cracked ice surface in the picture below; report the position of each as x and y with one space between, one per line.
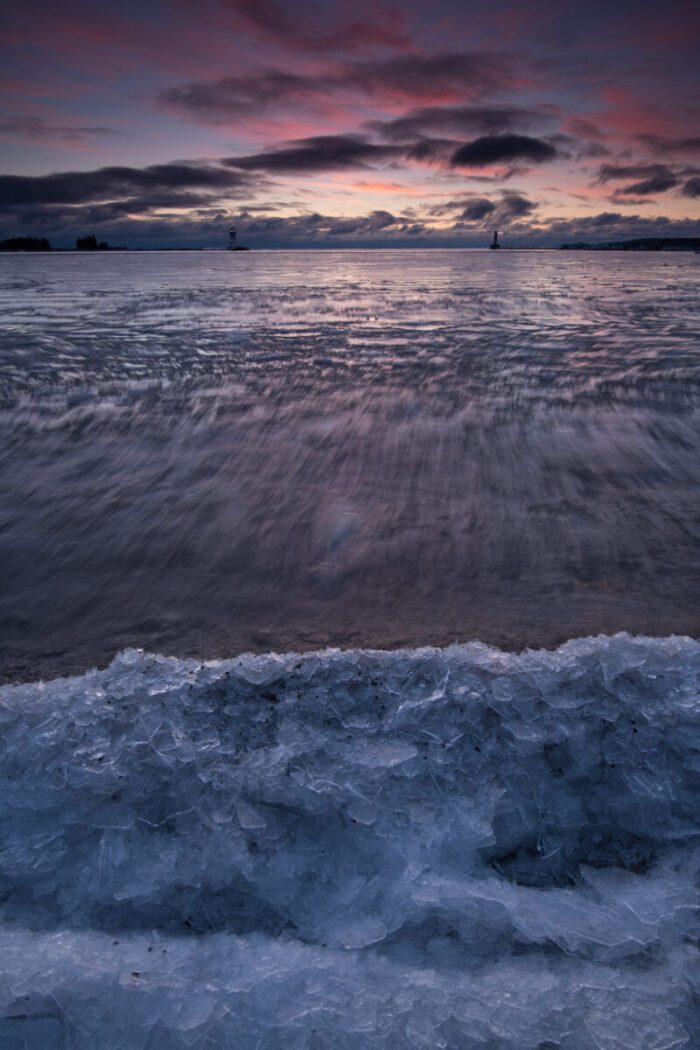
457 848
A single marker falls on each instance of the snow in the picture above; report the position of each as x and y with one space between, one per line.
458 848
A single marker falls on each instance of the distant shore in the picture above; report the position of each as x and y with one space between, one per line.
638 244
31 245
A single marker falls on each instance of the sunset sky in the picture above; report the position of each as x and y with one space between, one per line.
349 123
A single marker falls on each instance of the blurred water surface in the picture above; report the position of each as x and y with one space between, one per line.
203 453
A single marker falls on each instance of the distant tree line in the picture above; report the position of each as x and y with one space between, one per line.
41 244
89 244
25 244
639 244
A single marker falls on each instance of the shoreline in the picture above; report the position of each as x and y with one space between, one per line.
25 667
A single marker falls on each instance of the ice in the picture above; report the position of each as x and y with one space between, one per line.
458 848
385 754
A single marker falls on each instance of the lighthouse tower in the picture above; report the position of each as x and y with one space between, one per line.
494 243
232 238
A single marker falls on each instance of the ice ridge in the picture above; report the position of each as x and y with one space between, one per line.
439 848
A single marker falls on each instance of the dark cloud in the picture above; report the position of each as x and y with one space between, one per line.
653 178
603 218
504 210
639 202
318 153
608 226
67 217
337 152
314 227
460 120
218 101
477 209
428 151
496 149
611 172
206 225
104 184
398 78
37 128
509 206
106 200
383 228
373 223
692 187
656 184
515 206
662 145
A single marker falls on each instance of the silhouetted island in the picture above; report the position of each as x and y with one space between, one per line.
25 244
639 244
41 244
90 244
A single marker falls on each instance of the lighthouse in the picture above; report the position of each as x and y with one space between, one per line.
494 243
232 246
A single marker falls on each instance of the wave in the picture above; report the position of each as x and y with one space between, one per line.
455 848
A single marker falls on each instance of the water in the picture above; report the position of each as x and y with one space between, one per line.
205 453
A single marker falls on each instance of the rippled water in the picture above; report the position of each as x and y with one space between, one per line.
204 452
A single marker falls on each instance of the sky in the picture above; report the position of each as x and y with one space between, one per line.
349 122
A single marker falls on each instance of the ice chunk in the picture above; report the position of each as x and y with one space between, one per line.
389 753
249 817
456 848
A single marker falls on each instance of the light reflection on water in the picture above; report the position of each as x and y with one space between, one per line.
207 453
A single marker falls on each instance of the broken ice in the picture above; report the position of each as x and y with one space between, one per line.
455 848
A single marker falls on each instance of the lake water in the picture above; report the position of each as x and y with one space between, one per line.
206 453
460 847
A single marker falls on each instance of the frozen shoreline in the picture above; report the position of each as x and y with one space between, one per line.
24 665
459 847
